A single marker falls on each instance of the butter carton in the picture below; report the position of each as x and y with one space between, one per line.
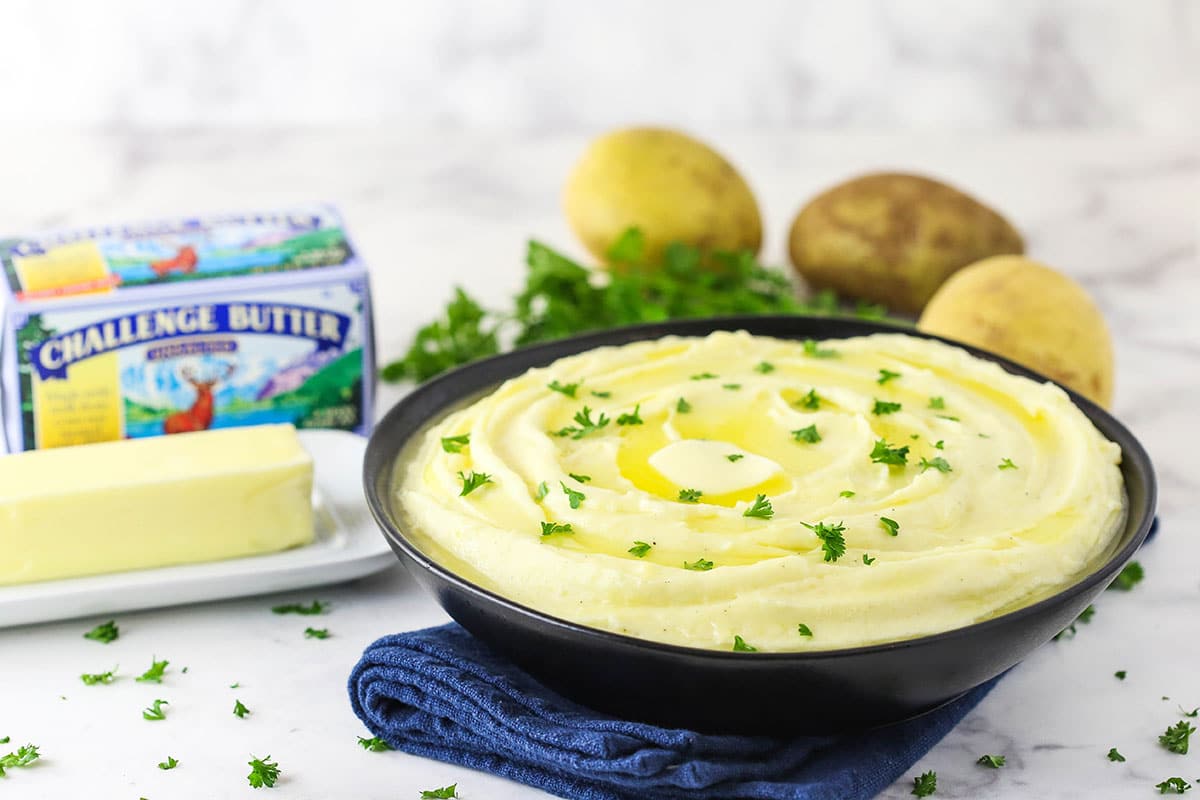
209 322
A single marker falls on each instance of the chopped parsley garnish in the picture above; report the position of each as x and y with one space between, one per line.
740 646
155 673
939 463
764 367
995 762
105 632
883 454
925 784
690 495
939 445
812 350
1173 786
551 528
311 610
472 481
881 407
631 419
760 509
239 710
845 493
886 375
170 763
733 387
568 389
890 525
602 395
833 543
734 457
810 401
263 772
1129 577
699 565
683 406
374 745
579 478
23 757
1175 738
583 424
455 444
445 793
573 497
639 549
808 434
1115 755
804 630
317 633
542 491
1007 464
937 402
91 679
1084 618
1120 674
155 712
868 560
703 376
1195 712
235 685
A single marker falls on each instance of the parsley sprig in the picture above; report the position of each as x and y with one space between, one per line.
584 424
633 418
740 646
239 709
833 542
939 463
263 772
445 793
569 389
761 508
472 480
155 712
373 745
94 678
925 784
311 610
1175 738
1128 577
883 453
1174 785
105 632
455 444
574 498
22 757
690 495
155 673
808 434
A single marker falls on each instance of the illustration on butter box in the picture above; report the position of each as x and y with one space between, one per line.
164 328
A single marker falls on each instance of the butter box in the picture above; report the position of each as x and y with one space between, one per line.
128 331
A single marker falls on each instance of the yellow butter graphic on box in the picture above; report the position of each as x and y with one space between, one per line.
77 268
85 408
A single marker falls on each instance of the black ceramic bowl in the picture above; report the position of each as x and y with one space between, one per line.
718 691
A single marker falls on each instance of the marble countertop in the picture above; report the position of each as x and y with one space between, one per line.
432 210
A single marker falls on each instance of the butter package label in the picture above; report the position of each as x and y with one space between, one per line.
134 331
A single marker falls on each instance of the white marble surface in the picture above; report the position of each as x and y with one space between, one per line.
541 65
1118 212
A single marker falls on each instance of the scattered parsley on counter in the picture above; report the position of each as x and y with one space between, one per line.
925 784
23 757
734 457
882 407
1195 712
804 630
890 525
995 762
551 528
1175 738
683 406
631 419
733 387
445 793
1120 674
1084 618
808 434
1129 577
155 712
155 673
846 493
939 445
1173 786
939 463
704 376
602 395
639 549
760 509
311 610
568 389
740 646
937 402
833 543
5 740
1115 755
764 367
263 772
1007 464
886 375
868 560
579 478
813 351
170 763
573 497
699 565
883 454
690 495
374 745
239 710
105 632
810 401
317 633
472 481
542 491
91 679
455 444
235 685
583 424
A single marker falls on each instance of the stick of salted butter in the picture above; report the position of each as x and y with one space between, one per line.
153 502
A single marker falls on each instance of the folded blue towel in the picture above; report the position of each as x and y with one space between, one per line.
440 693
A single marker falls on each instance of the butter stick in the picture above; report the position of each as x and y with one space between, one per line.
153 502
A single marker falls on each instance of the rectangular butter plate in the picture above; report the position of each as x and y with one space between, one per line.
347 546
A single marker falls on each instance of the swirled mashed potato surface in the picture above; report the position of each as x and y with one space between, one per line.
866 490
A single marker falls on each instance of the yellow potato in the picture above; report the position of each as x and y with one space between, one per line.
893 238
671 186
1031 314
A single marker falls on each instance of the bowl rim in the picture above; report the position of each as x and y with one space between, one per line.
1132 452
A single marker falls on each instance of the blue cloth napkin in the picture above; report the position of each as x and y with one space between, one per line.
441 694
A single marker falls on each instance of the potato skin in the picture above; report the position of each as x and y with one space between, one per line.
1031 314
672 186
894 238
